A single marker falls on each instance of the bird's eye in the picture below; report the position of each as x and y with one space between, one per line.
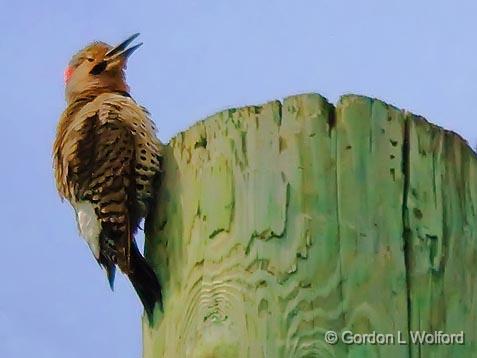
98 68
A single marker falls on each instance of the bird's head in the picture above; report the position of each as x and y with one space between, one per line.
98 68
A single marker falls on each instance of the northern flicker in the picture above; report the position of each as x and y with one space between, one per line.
106 158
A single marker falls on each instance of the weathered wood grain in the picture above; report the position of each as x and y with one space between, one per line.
370 196
441 237
277 223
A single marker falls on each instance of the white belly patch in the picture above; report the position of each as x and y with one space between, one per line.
88 225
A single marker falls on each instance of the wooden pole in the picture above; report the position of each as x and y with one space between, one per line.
278 223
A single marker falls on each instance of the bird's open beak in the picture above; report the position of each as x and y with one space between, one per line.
122 50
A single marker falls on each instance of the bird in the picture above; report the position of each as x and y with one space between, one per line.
106 161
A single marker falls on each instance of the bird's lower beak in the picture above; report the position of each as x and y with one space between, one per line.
122 50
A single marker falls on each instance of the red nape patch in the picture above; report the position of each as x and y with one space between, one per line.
67 74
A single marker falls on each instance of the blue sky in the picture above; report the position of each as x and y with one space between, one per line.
198 57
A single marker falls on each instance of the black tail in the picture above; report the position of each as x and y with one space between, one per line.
145 282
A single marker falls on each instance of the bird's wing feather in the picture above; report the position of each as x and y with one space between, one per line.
109 155
148 149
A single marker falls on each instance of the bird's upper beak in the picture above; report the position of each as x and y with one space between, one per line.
122 51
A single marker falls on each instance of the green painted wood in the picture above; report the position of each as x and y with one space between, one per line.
277 223
441 212
370 196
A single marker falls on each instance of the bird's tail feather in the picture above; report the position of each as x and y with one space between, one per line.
145 282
